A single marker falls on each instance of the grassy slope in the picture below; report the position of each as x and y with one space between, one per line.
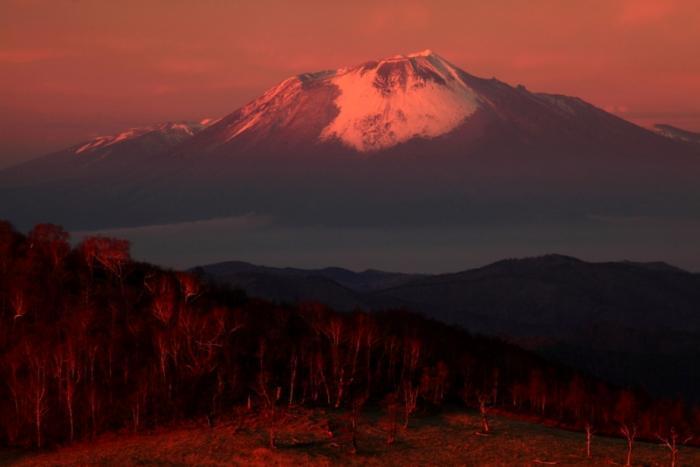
445 439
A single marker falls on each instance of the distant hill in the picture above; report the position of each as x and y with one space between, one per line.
336 287
633 323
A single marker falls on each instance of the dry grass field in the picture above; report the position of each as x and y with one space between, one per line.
302 439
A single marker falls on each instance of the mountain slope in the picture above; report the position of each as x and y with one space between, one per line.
96 182
678 134
111 155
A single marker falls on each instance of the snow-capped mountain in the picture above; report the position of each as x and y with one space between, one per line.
380 104
367 108
405 139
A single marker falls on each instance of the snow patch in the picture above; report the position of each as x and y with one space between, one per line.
398 99
209 121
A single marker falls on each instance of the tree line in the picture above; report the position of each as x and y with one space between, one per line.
92 341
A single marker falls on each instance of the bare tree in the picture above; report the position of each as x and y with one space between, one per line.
293 363
538 391
589 436
393 408
410 401
268 396
50 241
357 404
483 399
163 291
18 390
38 382
110 253
626 413
673 441
412 351
189 286
68 374
18 303
334 330
92 391
629 431
440 382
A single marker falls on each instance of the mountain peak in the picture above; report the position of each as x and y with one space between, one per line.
422 53
368 107
416 62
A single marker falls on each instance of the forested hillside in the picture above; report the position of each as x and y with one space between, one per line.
92 341
628 323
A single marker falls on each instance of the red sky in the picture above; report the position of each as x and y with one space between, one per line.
71 70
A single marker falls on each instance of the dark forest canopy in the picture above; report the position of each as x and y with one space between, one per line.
91 341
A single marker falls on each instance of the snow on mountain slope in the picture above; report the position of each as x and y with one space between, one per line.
368 107
254 113
677 133
391 101
104 156
172 132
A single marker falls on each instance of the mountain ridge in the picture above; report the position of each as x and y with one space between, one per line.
111 154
